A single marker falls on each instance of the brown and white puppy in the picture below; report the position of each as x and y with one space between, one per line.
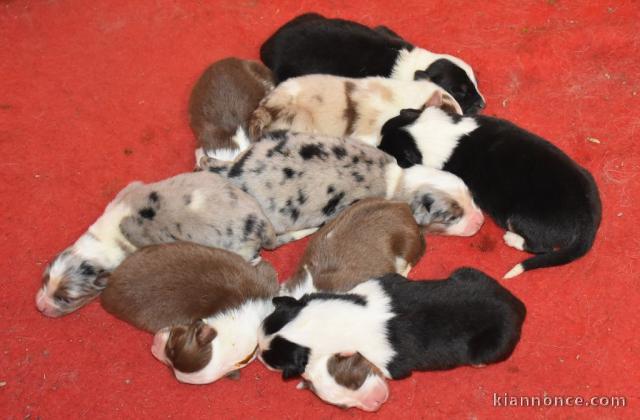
198 207
342 107
170 284
303 180
370 238
221 103
205 304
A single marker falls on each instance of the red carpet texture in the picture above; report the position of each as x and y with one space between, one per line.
93 95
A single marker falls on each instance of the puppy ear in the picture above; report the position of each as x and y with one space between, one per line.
435 100
450 105
100 282
204 333
427 201
398 142
421 75
421 208
410 113
285 301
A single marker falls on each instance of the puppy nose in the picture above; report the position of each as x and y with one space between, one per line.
376 398
474 223
159 343
46 307
478 218
41 300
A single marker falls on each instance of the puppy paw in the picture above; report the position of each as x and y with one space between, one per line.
514 240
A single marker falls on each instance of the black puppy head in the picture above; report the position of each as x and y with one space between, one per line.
396 140
290 358
455 80
275 351
286 309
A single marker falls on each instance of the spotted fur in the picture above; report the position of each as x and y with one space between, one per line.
198 207
301 181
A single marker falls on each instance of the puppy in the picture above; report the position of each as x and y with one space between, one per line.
221 102
170 288
311 44
170 284
342 107
334 260
549 204
198 207
302 181
390 326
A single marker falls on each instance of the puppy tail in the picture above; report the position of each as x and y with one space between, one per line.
260 119
586 226
553 258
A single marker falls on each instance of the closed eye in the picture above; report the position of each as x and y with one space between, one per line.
65 299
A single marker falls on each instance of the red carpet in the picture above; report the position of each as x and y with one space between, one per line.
93 95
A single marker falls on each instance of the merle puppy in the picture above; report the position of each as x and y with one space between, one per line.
548 203
397 325
302 181
311 43
198 207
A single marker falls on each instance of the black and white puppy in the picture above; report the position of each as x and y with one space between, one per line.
395 324
548 203
311 43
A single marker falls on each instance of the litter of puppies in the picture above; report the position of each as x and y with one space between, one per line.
367 142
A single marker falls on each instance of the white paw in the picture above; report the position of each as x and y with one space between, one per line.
514 240
199 155
402 267
299 234
406 271
241 140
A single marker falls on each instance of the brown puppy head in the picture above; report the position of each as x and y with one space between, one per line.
346 380
188 348
198 356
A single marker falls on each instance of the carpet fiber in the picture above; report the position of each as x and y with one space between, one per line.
93 95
